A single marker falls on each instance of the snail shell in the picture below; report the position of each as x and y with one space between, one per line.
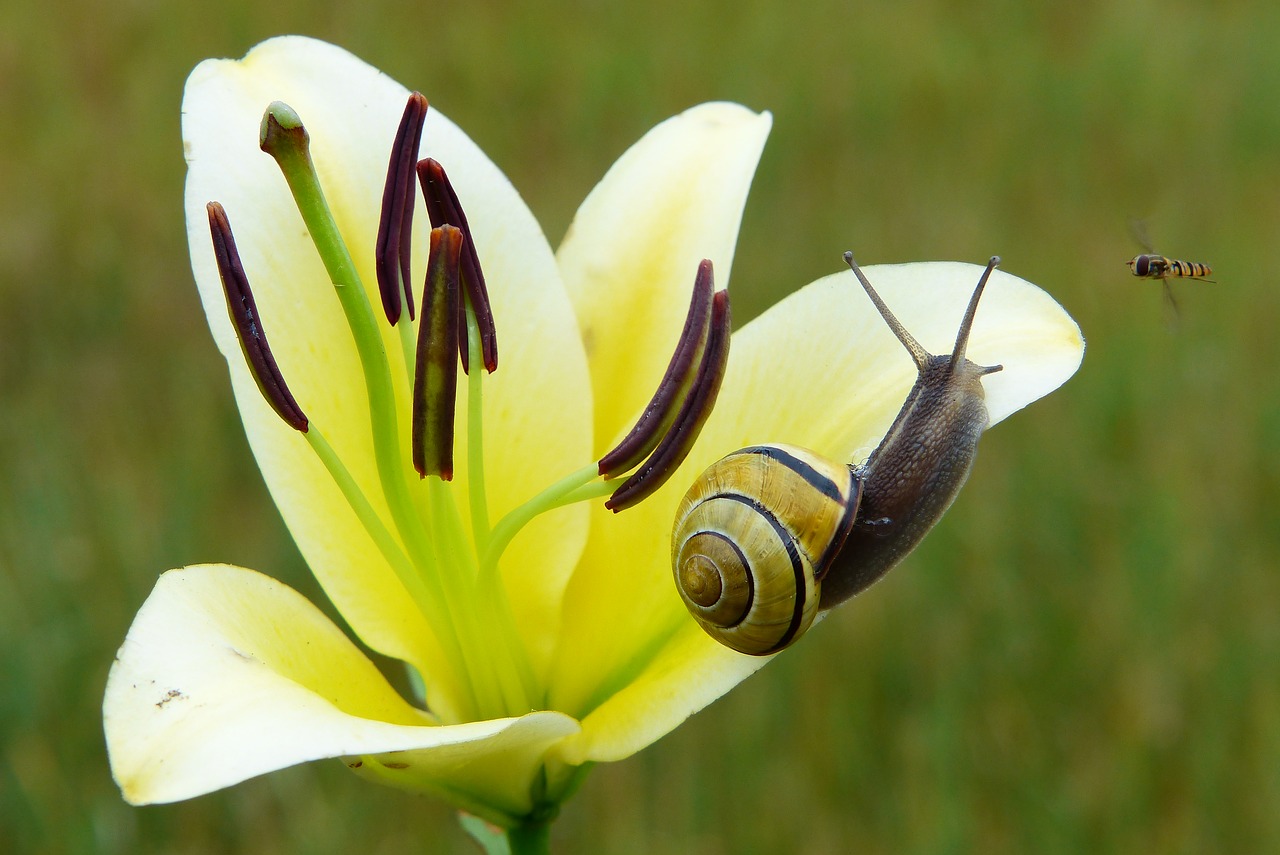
752 539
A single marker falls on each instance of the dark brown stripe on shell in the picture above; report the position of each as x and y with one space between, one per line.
793 554
807 473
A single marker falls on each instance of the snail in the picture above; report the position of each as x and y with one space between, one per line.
770 535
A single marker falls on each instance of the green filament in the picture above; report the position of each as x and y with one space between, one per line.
390 549
557 495
475 435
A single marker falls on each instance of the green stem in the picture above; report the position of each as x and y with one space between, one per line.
589 491
533 839
488 622
490 592
363 509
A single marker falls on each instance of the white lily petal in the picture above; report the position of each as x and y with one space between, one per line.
629 259
227 674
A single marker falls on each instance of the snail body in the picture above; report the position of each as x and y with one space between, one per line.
770 535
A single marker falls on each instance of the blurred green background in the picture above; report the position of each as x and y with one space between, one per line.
1084 656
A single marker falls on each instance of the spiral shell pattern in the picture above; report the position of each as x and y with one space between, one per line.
752 538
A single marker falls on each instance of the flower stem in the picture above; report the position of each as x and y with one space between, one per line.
533 839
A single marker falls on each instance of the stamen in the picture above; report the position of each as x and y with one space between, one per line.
244 317
435 381
678 441
443 208
395 227
661 412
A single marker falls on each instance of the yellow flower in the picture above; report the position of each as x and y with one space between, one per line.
569 645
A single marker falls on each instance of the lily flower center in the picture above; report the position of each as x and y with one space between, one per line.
449 569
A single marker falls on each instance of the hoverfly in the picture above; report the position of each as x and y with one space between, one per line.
1149 265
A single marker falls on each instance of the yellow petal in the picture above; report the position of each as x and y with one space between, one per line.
820 370
351 112
687 674
630 257
227 674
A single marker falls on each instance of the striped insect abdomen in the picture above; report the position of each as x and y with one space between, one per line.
1189 269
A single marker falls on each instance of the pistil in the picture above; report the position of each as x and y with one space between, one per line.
285 139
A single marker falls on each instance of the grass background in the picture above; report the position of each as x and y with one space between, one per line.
1084 656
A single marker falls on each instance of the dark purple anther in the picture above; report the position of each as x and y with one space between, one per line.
694 411
435 377
248 326
658 416
395 227
443 208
